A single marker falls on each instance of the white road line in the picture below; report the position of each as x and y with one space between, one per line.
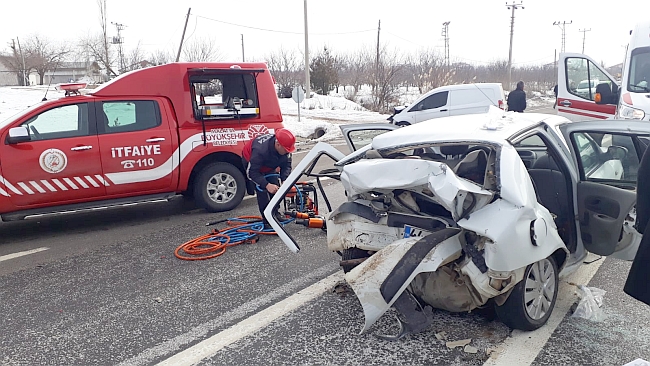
521 348
20 254
214 344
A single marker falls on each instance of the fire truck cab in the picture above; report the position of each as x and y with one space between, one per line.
145 136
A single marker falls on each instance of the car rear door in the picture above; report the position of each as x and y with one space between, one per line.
138 152
580 105
606 155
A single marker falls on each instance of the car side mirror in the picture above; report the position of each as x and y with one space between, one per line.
606 94
18 134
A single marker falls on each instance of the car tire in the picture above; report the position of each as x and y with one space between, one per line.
532 300
219 187
352 253
402 124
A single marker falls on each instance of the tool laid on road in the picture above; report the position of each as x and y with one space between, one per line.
300 205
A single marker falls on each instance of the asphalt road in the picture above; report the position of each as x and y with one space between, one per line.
108 290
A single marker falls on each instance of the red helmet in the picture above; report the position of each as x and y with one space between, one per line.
286 139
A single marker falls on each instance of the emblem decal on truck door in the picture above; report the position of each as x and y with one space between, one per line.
53 160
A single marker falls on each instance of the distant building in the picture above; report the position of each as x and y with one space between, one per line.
616 71
72 71
8 77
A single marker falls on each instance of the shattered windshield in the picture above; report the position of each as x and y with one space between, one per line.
639 78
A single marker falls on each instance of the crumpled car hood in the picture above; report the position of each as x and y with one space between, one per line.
413 174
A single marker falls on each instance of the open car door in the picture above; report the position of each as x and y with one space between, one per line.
357 137
579 77
606 158
360 135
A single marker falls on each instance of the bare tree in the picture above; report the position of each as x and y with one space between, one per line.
93 46
19 62
430 71
201 50
135 60
45 56
358 69
285 66
384 81
106 58
160 57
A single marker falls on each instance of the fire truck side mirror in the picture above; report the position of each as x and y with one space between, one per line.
18 134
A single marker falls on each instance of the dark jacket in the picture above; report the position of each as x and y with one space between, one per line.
517 100
263 158
638 280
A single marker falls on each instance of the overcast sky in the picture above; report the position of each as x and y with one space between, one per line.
479 30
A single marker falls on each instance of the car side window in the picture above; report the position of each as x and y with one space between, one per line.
583 77
433 101
128 116
607 157
361 138
59 122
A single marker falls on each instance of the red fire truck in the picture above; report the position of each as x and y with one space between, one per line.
145 136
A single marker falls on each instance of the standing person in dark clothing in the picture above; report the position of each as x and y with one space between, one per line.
264 155
517 98
638 279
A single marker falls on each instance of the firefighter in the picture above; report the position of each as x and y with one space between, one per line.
264 155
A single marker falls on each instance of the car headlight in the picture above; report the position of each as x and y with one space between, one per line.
628 112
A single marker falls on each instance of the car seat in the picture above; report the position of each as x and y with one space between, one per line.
473 166
453 153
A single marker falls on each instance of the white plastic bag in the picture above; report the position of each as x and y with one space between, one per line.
591 299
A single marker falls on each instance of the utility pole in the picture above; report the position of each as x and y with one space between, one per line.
243 59
118 41
377 59
512 7
180 46
445 34
583 37
562 26
307 81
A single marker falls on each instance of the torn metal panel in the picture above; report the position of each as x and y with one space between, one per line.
508 229
449 190
380 280
516 186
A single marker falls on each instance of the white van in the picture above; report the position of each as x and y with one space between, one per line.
450 100
629 100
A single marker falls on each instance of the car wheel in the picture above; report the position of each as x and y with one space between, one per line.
219 187
402 124
351 254
532 300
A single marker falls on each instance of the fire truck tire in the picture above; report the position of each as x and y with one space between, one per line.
219 187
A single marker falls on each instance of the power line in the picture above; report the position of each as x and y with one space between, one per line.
285 32
403 39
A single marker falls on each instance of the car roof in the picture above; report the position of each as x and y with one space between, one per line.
467 86
496 127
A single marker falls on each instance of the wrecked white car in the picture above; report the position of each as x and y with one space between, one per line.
471 211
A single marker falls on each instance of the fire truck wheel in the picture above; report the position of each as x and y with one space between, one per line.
219 187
